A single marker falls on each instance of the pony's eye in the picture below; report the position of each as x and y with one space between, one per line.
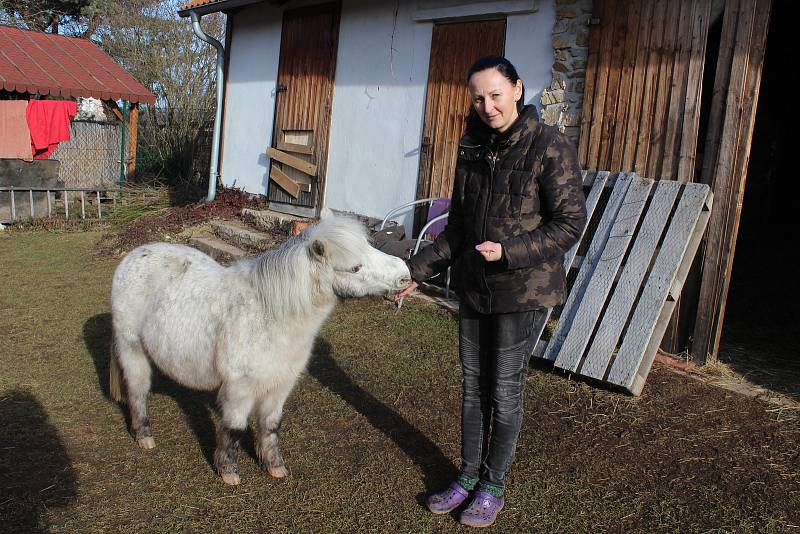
356 268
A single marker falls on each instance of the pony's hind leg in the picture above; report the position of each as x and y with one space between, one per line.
236 402
138 375
270 413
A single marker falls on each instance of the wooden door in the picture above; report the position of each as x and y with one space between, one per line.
644 79
454 48
303 108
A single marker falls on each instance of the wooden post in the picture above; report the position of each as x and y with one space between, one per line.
729 173
133 138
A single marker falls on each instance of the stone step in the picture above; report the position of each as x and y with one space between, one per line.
217 249
272 221
243 236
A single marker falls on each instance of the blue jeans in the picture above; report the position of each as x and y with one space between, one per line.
494 350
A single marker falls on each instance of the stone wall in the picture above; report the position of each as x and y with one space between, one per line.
562 102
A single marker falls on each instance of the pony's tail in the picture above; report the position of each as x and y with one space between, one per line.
115 385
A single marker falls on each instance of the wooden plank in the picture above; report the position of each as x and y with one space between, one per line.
613 90
666 313
643 334
724 189
292 161
291 147
598 180
603 66
630 54
286 183
587 266
657 134
650 83
630 281
637 88
599 285
677 95
719 93
687 152
739 153
592 64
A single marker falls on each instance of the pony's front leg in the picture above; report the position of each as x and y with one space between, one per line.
270 413
235 401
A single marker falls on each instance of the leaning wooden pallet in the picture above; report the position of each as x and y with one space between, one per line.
629 278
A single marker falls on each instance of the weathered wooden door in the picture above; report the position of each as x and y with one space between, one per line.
454 48
303 108
644 79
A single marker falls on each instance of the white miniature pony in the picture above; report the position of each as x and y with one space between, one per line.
246 330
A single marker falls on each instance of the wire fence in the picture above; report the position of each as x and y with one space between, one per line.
91 158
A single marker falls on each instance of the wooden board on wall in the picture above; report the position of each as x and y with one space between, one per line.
643 81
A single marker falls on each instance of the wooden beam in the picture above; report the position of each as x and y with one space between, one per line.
133 138
286 183
292 161
730 173
292 147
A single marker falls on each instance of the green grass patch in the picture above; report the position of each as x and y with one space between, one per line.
370 428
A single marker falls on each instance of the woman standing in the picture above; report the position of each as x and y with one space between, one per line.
517 206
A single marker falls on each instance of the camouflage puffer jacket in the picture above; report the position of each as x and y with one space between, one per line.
522 189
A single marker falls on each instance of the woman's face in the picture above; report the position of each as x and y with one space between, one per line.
495 98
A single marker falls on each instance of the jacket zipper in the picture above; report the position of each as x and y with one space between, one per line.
492 160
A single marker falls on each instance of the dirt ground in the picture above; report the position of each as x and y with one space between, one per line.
370 428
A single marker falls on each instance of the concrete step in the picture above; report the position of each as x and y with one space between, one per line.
272 221
217 249
243 236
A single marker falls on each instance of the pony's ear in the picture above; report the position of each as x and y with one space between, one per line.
325 213
317 250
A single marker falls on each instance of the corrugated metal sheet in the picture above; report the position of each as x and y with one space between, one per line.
37 62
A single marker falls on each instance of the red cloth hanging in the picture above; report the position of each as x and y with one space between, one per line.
48 121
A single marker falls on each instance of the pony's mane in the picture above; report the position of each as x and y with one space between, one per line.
288 280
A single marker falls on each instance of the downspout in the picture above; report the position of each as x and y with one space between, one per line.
213 173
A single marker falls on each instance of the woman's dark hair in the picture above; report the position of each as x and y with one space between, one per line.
504 67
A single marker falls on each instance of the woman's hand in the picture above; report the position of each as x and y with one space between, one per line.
490 250
411 287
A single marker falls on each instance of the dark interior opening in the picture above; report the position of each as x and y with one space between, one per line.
760 331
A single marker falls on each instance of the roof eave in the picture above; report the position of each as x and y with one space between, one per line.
223 5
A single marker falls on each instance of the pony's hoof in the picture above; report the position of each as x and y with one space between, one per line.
147 443
232 479
278 472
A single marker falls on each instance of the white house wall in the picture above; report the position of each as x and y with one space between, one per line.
378 102
250 97
378 107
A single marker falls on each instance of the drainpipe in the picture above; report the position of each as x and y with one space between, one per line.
213 173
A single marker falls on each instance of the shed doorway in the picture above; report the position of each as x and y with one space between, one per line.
303 101
454 48
761 327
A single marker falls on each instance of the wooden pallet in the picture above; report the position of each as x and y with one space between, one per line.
629 278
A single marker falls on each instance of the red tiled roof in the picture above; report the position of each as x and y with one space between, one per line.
37 62
197 3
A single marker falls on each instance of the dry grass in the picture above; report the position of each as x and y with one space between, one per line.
370 428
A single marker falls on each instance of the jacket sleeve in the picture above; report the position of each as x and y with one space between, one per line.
447 246
563 206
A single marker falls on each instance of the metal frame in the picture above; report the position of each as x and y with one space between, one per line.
66 190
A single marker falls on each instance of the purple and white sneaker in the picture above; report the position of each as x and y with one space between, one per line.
482 511
448 499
